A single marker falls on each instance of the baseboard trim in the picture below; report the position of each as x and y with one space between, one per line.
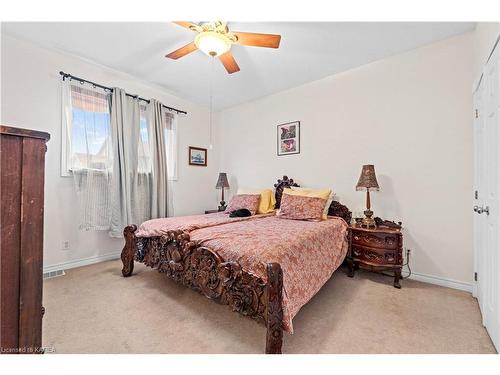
436 280
442 281
81 262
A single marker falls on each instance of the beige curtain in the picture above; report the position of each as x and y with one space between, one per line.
158 123
131 180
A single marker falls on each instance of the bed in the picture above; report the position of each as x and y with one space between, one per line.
262 266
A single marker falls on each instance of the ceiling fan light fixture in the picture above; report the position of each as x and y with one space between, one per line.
214 39
212 43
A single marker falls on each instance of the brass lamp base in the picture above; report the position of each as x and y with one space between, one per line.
368 221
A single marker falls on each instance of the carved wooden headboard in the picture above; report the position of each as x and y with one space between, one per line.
279 186
336 208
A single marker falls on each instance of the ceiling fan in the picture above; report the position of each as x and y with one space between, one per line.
215 39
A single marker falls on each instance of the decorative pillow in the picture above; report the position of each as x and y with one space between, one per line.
298 207
307 192
248 201
267 200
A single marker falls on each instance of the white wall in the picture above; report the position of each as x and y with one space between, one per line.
485 36
410 115
31 99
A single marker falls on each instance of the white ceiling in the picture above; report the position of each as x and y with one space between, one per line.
308 51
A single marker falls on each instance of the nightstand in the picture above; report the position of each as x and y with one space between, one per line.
211 211
379 248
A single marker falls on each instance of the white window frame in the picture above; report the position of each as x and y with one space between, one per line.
66 125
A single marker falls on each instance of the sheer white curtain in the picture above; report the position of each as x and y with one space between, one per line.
88 151
171 149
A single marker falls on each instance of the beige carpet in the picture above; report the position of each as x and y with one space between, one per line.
94 309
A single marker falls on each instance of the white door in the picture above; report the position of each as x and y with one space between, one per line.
487 202
479 220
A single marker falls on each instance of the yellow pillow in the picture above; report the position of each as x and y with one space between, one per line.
267 199
326 194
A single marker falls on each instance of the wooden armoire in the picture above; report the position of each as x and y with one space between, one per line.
22 164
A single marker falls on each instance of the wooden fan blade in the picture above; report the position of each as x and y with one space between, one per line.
183 51
229 62
258 40
188 25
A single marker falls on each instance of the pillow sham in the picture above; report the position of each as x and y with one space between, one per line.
267 199
298 207
240 201
326 194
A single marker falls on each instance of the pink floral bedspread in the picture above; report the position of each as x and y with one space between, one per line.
159 227
308 252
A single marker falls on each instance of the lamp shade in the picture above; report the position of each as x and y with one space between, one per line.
222 181
368 179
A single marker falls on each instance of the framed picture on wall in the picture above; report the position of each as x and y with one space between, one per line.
198 156
289 138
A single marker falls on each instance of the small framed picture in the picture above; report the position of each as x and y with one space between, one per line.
289 138
197 156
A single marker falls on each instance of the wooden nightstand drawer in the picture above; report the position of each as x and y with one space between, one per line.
375 256
378 240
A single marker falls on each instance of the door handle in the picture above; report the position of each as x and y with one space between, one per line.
476 208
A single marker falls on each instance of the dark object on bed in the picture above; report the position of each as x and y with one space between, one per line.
226 282
242 212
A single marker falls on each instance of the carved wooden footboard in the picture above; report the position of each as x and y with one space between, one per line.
202 269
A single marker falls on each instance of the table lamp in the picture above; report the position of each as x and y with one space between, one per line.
368 181
222 183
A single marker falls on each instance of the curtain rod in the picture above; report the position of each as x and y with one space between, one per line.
66 75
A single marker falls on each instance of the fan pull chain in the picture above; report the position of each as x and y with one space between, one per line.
211 102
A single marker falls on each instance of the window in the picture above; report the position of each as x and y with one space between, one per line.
90 154
86 128
171 145
87 151
144 152
93 141
170 130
